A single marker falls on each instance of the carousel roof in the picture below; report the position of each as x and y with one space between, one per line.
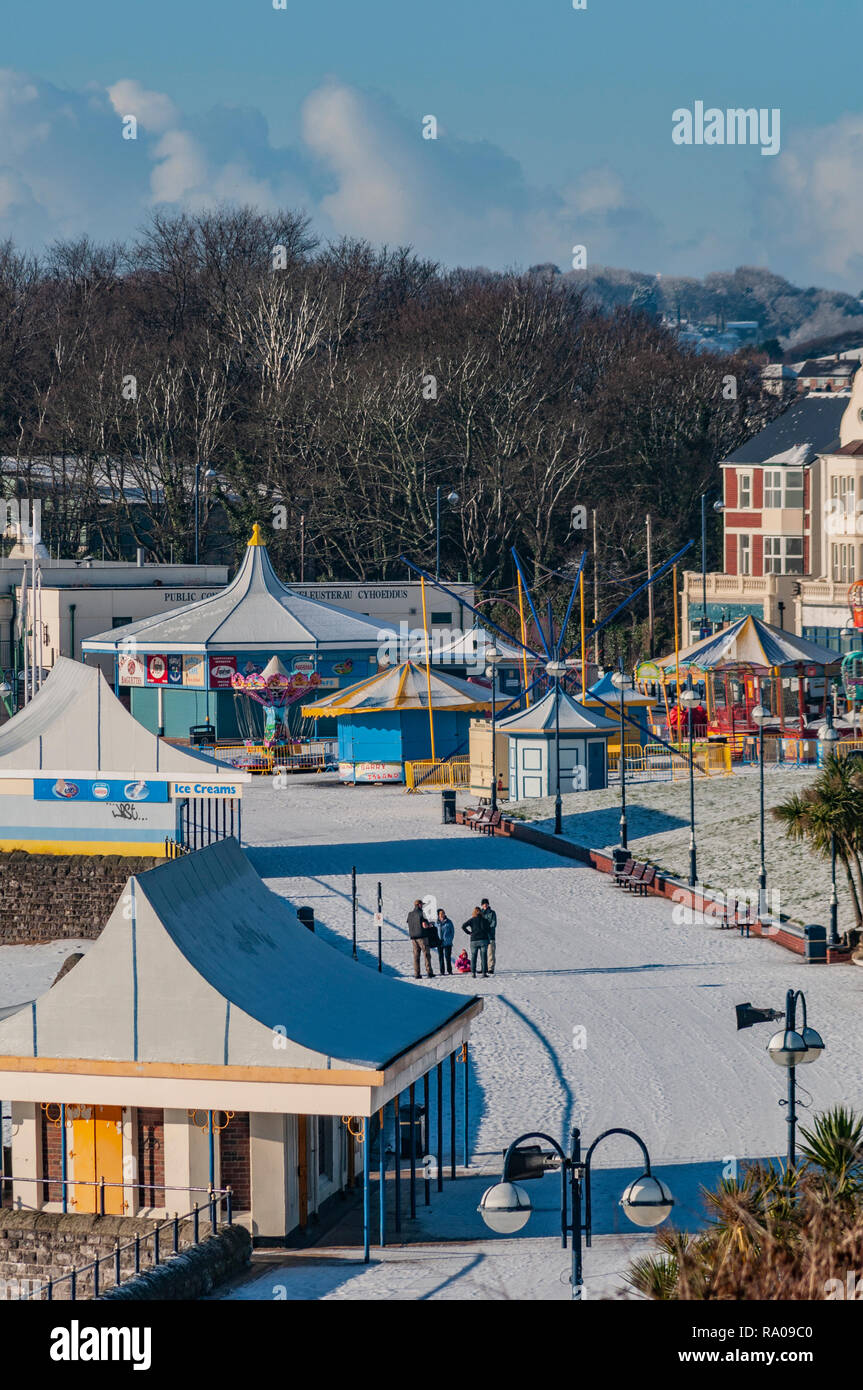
255 612
754 644
541 719
404 687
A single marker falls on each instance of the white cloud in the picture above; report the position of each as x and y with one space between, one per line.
812 205
181 167
370 199
153 110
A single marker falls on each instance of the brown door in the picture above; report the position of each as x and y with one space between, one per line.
303 1168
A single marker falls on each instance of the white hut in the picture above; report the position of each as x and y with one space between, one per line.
533 744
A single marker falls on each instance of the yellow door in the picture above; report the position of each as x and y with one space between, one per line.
96 1153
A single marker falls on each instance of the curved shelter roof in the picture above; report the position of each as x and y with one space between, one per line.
469 648
573 718
208 971
605 690
754 644
404 687
255 612
75 724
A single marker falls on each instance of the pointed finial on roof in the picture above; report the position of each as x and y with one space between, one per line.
257 538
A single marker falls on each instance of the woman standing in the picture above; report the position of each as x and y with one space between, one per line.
446 932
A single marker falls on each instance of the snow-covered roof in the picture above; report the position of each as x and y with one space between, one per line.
75 724
255 612
469 648
201 963
810 421
573 718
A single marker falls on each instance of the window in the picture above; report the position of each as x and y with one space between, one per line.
744 491
744 555
121 622
772 487
783 555
842 563
793 488
441 619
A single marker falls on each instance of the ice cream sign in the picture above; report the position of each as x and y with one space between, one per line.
74 789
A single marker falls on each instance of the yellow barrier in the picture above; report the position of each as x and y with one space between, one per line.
250 758
430 776
653 762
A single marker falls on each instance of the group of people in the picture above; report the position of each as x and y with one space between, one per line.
439 935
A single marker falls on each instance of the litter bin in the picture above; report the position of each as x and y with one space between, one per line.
405 1126
816 945
447 801
307 917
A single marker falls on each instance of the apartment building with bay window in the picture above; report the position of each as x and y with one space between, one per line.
792 524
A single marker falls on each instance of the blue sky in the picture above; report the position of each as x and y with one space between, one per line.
554 125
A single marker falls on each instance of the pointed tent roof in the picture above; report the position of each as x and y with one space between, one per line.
404 687
255 612
573 718
753 643
208 968
605 689
75 724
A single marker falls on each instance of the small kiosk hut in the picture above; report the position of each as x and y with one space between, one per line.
533 742
403 715
79 775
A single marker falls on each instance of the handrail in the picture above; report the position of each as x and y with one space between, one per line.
214 1203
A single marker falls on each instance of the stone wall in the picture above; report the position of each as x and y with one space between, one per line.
38 1246
52 897
193 1273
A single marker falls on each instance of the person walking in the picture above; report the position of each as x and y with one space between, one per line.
446 932
476 928
491 918
418 931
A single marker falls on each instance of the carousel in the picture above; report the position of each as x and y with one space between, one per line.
747 664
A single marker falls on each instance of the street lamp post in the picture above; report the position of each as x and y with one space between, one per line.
622 683
493 656
452 498
556 669
788 1048
210 473
717 507
689 699
506 1207
828 738
759 716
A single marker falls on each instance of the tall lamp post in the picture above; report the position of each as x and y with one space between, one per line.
452 498
493 656
622 682
759 715
506 1207
828 738
789 1048
689 699
556 669
210 473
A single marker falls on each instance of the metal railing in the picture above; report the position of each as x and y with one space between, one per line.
138 1245
429 776
656 763
252 757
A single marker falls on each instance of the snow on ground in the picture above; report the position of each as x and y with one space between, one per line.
603 1011
727 836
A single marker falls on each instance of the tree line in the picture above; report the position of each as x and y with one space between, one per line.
332 389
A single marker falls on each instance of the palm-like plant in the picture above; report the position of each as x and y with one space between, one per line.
832 806
834 1146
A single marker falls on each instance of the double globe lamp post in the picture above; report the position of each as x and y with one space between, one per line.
791 1047
556 669
689 699
493 656
506 1207
622 683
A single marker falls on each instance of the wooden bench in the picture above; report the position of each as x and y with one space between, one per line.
646 881
634 876
489 826
621 873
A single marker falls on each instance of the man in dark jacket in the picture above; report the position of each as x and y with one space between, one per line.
418 931
491 918
476 928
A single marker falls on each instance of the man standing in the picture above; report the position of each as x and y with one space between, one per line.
418 932
476 927
491 918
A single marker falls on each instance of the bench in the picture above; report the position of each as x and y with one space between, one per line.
489 826
646 881
621 873
634 876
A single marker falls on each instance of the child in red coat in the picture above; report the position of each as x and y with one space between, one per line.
462 964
